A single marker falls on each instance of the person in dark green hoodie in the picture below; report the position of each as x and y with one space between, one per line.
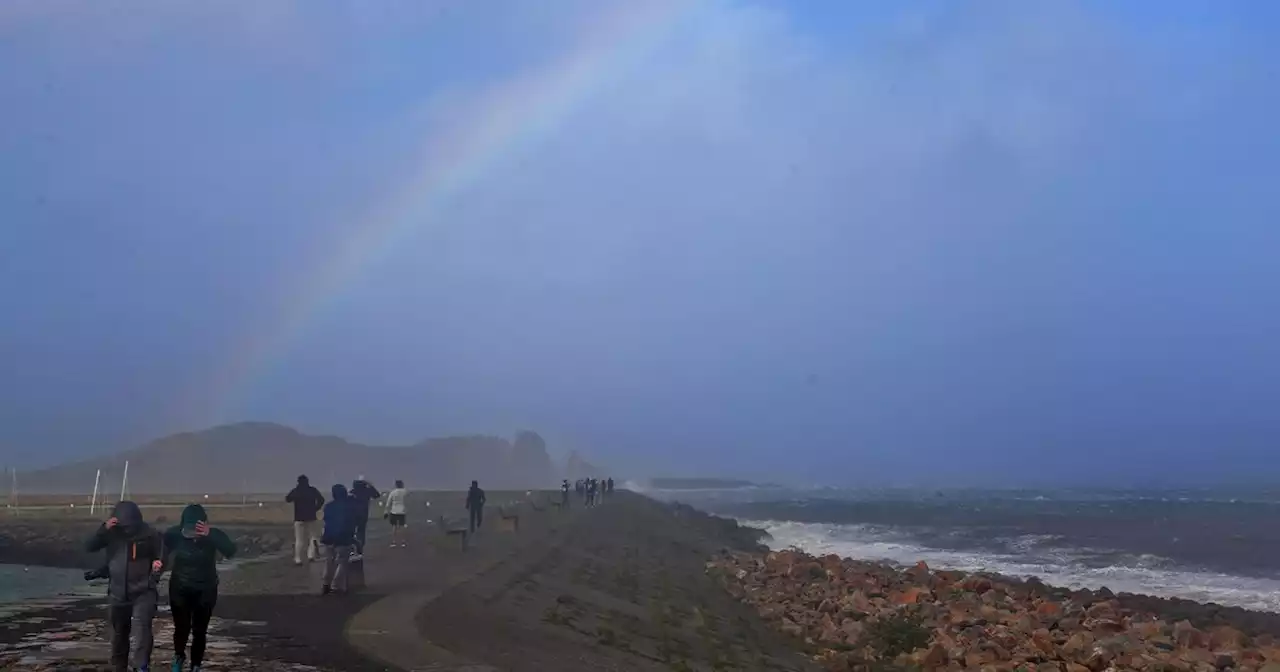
191 550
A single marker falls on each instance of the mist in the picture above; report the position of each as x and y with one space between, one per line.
989 243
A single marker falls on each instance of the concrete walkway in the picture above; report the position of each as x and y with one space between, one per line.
434 563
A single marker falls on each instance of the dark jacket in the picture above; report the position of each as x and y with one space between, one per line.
306 500
363 492
475 497
192 561
339 519
131 547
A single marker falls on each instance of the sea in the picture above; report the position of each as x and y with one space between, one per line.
1220 546
20 584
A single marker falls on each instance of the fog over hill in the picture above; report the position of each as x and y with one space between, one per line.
267 457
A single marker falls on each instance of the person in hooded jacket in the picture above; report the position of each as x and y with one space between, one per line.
339 537
475 505
191 552
306 500
362 494
135 553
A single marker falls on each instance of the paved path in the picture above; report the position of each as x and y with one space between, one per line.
433 563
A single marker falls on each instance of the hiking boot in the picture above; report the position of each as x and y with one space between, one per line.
178 662
197 668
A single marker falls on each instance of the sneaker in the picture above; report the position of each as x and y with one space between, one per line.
197 668
178 662
355 557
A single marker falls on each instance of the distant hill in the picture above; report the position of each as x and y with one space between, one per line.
257 457
700 484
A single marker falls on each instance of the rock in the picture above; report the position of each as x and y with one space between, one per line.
1098 659
1227 638
1078 643
1043 641
976 584
792 628
1225 661
911 596
1047 608
1187 635
936 657
1103 626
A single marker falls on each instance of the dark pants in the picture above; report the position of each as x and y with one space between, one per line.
192 610
132 619
477 517
362 526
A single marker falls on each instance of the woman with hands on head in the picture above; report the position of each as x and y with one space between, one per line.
191 549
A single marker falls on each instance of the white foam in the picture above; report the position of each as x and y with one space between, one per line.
1148 575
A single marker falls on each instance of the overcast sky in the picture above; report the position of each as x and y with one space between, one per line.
928 242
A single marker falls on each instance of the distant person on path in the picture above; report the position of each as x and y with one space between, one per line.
591 492
307 501
564 493
135 554
396 514
191 556
339 537
475 504
362 495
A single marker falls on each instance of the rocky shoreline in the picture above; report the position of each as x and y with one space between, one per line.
856 615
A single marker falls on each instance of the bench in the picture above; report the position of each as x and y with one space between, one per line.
455 528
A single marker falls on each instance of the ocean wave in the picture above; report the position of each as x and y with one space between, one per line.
1032 555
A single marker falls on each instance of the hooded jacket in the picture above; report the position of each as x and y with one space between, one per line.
306 500
131 547
363 492
475 497
339 519
193 561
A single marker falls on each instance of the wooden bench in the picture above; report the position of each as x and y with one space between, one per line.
455 528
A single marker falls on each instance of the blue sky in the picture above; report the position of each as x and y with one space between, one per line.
987 243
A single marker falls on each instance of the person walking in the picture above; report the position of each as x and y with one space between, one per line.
135 553
396 511
475 505
362 495
191 556
564 494
339 537
307 501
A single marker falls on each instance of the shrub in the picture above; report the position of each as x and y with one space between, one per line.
890 636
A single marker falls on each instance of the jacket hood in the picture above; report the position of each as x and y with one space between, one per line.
128 514
339 491
194 513
303 481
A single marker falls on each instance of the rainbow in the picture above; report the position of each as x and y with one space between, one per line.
512 116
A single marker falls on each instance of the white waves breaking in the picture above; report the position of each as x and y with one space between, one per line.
1031 557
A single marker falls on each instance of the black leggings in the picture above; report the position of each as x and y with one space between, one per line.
192 610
